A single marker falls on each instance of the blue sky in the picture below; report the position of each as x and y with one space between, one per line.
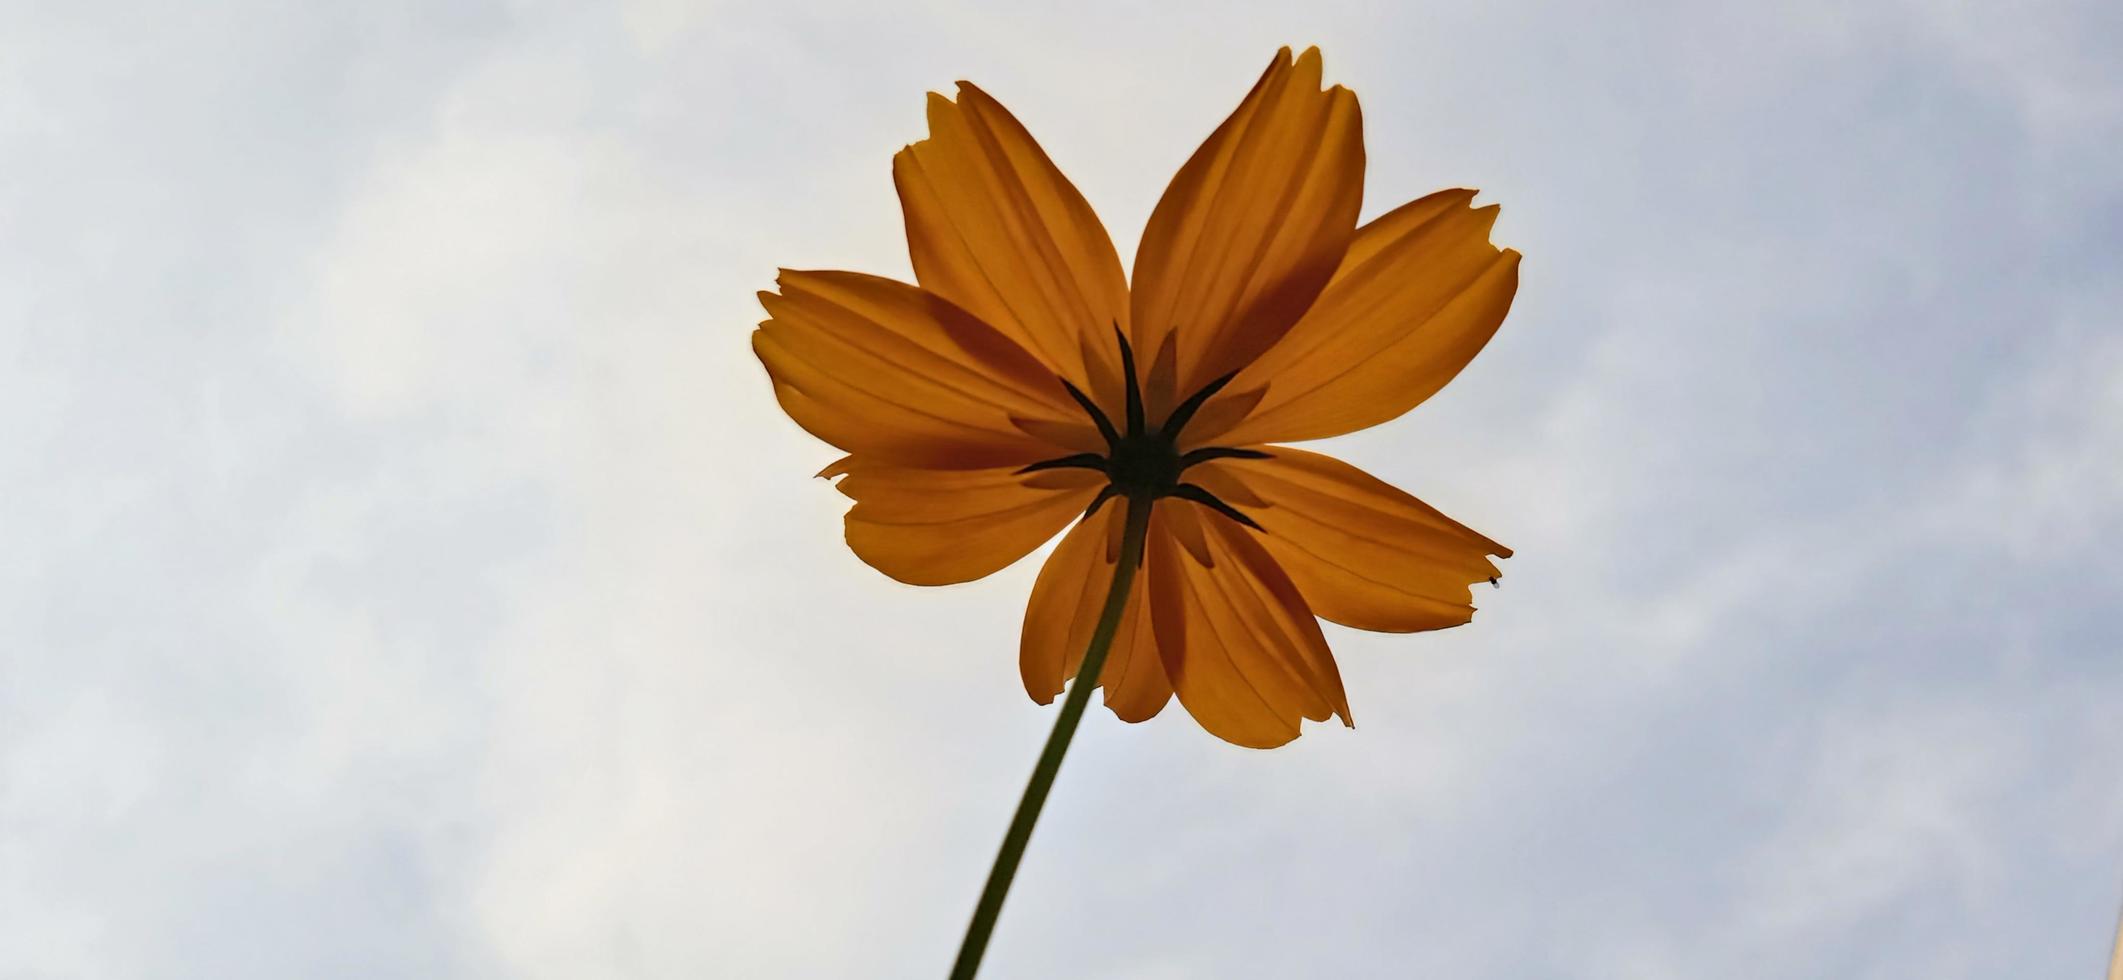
405 570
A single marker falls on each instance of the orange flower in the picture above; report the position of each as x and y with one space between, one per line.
1024 383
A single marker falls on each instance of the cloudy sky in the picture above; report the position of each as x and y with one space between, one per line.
406 572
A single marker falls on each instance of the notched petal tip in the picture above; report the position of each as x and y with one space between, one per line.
1274 192
994 227
1363 553
1486 215
1419 294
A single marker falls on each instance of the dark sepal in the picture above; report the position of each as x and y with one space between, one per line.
1189 491
1135 390
1185 412
1087 461
1208 453
1098 418
1105 493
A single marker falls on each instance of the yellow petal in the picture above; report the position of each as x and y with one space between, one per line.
937 527
995 228
894 373
1239 646
1361 552
1419 294
1134 677
1265 594
1066 601
1184 525
1252 226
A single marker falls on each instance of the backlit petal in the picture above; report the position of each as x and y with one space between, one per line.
995 228
1252 226
937 527
1419 294
1066 601
1239 645
895 374
1361 552
1136 687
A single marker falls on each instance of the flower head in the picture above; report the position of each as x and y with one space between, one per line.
1025 383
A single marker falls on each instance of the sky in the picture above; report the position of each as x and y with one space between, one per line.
406 572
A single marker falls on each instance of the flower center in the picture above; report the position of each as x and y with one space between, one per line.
1145 464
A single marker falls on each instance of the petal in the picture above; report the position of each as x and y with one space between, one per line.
1252 226
995 228
1134 676
1184 523
896 374
1066 602
1241 649
1419 294
1361 552
938 527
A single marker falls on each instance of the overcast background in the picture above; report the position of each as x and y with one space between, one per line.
406 572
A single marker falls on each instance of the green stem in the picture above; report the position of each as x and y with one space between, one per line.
1050 758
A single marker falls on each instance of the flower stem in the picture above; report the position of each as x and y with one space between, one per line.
1050 757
